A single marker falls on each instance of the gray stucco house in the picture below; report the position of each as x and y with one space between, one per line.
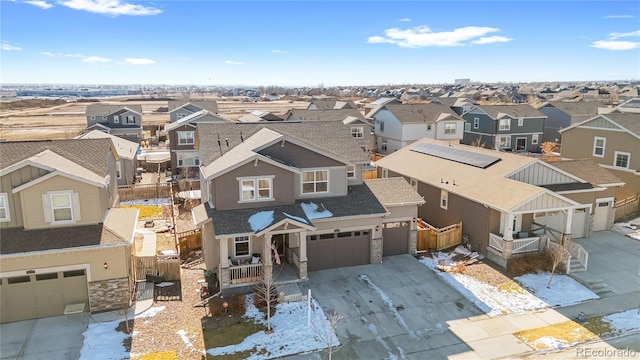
124 121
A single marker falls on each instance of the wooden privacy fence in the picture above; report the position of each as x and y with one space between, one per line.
144 191
189 240
430 237
165 266
626 207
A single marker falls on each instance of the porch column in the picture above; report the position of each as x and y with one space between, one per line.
225 276
376 244
302 266
267 268
568 225
508 227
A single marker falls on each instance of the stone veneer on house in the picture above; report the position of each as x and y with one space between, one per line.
108 295
376 251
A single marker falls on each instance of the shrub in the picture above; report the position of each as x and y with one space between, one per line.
529 264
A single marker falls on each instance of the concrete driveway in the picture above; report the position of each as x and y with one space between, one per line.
398 309
57 337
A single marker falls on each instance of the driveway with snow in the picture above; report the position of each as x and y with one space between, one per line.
392 310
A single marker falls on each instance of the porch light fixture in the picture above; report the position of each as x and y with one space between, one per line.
414 219
377 228
106 266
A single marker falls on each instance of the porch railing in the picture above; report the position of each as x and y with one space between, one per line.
578 252
531 244
242 274
495 242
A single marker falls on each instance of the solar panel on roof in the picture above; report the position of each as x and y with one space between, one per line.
482 161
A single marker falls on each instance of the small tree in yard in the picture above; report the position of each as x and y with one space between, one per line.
477 142
326 334
558 254
131 298
266 296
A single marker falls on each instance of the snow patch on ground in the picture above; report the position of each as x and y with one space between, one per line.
163 284
624 321
389 303
551 343
151 312
185 338
563 291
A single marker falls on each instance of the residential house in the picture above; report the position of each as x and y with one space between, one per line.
259 115
360 128
64 248
396 126
628 106
123 121
611 140
516 127
299 203
379 103
179 109
507 203
332 105
182 140
562 114
127 151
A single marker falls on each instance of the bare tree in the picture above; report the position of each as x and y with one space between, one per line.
266 293
558 253
128 305
326 334
477 142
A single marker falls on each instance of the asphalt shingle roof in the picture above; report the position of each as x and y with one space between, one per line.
325 114
107 109
630 121
421 113
209 105
334 104
516 111
588 170
394 191
578 108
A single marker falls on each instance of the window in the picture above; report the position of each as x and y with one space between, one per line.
429 127
315 181
534 139
188 159
476 123
444 199
357 132
104 117
93 117
48 276
4 208
73 273
598 146
467 127
381 126
385 173
520 121
180 116
186 137
505 125
255 189
116 119
414 183
131 119
503 142
621 159
119 169
18 280
351 172
241 246
449 128
61 207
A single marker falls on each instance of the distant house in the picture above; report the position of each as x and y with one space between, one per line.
629 106
379 103
397 125
182 140
332 105
179 109
127 151
562 114
259 115
123 121
504 127
65 247
611 140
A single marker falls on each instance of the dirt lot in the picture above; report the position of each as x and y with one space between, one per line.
52 120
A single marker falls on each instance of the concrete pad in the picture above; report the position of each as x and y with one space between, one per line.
526 321
447 338
499 346
410 344
375 349
453 350
469 331
497 326
551 317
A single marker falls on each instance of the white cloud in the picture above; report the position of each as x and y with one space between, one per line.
231 62
618 16
110 7
50 54
139 61
491 40
95 59
627 34
615 45
279 51
422 36
7 46
405 20
39 3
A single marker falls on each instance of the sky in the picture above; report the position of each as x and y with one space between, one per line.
312 43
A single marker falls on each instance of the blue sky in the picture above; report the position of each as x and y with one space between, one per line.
307 43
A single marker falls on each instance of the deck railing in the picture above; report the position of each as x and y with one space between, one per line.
243 274
495 241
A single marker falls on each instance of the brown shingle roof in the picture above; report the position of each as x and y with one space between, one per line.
578 108
209 105
334 104
420 113
630 121
394 191
106 109
324 115
516 111
587 170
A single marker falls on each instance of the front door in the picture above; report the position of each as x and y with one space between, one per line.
521 144
280 242
602 214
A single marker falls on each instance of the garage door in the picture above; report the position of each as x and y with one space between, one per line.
41 295
395 238
328 251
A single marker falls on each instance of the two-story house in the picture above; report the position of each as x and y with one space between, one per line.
359 127
127 162
611 140
332 105
291 193
123 121
179 109
64 248
182 140
516 127
397 125
561 114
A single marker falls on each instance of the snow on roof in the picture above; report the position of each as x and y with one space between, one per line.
261 220
314 211
297 218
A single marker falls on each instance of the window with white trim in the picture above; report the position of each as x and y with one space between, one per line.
61 207
116 119
180 115
467 127
130 119
599 144
621 159
188 159
503 142
357 132
351 172
186 137
118 169
449 128
256 189
315 181
520 122
381 126
4 208
534 139
444 199
504 124
241 246
476 123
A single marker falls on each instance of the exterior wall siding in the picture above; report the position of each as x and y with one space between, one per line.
12 180
440 127
337 184
577 143
556 120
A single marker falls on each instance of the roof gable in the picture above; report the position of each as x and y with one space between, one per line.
420 113
629 123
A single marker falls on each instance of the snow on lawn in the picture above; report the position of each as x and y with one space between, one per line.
513 298
291 334
562 292
625 321
102 338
